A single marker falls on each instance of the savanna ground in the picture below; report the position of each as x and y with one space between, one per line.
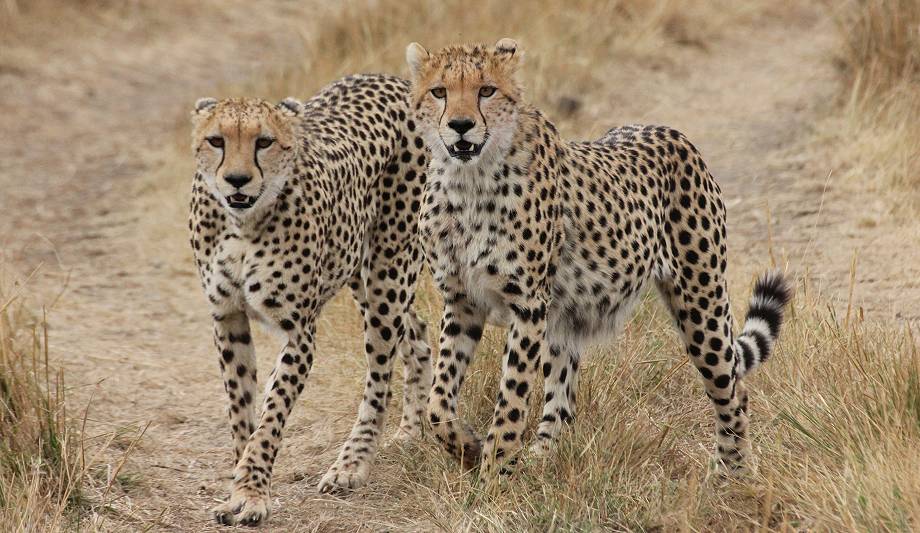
803 112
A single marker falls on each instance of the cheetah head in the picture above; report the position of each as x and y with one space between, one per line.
245 149
465 98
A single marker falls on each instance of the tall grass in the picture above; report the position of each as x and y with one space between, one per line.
52 477
880 57
40 470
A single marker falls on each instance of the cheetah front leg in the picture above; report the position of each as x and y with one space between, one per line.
238 368
249 502
461 329
416 357
523 354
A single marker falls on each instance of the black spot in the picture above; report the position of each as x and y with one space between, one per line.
521 389
512 288
474 332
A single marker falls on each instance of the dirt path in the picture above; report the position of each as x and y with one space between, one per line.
132 330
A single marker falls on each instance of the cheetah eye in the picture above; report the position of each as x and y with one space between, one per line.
439 92
216 142
486 91
264 142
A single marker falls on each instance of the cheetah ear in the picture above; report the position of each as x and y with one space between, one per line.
290 107
204 106
416 56
506 46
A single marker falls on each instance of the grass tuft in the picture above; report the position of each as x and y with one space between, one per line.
51 478
40 471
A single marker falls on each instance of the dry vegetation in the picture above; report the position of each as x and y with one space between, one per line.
880 58
836 413
51 478
39 475
371 36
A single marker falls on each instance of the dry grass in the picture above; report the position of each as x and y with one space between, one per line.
880 58
39 461
567 52
52 477
36 23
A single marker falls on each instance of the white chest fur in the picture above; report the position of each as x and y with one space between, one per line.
469 232
235 282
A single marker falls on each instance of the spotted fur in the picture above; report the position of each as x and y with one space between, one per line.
557 240
290 203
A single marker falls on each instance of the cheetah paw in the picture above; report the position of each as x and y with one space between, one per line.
244 509
541 448
345 477
405 435
737 470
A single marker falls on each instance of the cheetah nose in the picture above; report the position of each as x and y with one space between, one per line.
461 125
238 180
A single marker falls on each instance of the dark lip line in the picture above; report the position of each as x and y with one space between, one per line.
464 155
240 205
253 198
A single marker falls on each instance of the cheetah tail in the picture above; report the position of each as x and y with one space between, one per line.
764 317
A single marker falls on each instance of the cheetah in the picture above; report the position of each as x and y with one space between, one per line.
556 241
291 202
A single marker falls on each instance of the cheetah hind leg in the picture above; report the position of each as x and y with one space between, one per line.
722 359
560 374
416 357
384 333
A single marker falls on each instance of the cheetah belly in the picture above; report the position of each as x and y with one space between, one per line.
590 304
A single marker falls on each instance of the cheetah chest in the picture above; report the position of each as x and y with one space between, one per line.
472 241
244 280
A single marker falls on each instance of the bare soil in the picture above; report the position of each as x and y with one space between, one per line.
89 115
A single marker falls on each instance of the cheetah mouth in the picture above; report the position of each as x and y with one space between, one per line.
240 201
464 150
